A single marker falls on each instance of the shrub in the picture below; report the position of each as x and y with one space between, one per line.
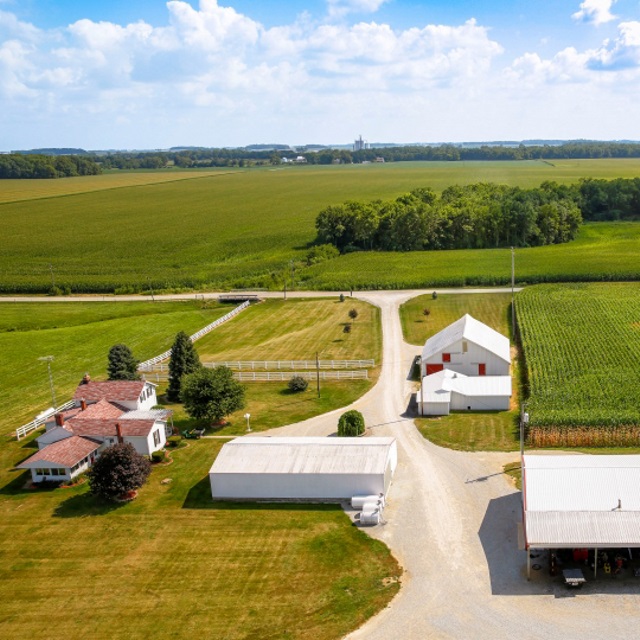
174 441
353 314
118 471
297 384
157 456
351 424
434 295
346 328
342 297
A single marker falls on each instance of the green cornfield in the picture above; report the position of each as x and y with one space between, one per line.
581 345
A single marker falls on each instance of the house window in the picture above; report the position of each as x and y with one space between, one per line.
41 472
446 357
156 437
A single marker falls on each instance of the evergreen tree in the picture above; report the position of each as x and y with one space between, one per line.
184 360
122 365
118 471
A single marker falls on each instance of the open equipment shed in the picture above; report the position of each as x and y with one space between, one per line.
303 469
581 502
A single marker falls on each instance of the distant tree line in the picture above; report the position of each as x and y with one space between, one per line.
477 216
17 165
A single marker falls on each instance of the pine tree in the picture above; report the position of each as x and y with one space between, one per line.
211 394
122 365
184 360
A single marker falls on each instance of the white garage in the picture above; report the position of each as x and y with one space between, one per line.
303 469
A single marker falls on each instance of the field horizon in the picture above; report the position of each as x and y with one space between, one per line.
172 231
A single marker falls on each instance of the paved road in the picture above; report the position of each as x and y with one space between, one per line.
452 523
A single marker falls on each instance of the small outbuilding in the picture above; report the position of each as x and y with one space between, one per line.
467 346
303 469
446 391
581 502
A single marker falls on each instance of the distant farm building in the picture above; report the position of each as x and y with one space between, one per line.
303 469
465 367
586 502
467 346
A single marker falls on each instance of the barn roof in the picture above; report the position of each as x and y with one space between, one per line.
304 455
468 328
65 453
582 500
437 387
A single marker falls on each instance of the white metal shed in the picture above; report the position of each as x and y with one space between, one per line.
312 469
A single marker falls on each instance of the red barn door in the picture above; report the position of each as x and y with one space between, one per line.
434 368
482 369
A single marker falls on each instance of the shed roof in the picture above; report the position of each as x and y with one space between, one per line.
582 500
304 455
437 387
65 453
468 328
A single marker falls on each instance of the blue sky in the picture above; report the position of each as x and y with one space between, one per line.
154 74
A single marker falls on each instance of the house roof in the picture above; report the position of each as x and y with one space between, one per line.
468 328
107 428
64 453
112 390
574 500
101 410
438 387
149 414
304 455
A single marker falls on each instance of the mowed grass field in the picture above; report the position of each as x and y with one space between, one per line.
581 345
79 336
292 330
242 228
173 564
467 431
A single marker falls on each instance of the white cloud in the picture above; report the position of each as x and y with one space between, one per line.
339 8
595 12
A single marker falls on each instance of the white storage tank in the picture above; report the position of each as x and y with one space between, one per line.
357 502
370 517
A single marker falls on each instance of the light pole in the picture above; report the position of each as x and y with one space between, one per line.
49 360
247 416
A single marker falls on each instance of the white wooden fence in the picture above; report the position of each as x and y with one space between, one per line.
148 365
276 376
22 431
278 365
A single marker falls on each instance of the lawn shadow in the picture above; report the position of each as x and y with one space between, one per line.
199 497
85 505
19 484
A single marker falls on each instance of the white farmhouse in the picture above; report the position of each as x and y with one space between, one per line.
307 469
467 346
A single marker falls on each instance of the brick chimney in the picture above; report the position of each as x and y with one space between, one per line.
119 433
83 405
59 420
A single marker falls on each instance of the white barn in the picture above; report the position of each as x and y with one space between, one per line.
446 391
467 346
303 469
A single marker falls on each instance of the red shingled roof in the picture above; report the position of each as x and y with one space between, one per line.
101 427
113 390
67 452
101 410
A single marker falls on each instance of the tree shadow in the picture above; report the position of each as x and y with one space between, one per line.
85 505
19 484
199 497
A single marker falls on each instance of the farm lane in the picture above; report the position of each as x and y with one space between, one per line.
451 520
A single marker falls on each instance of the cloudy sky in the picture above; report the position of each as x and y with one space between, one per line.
105 74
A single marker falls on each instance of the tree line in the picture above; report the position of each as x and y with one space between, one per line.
16 165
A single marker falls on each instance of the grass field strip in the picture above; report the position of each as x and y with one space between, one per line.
268 365
144 366
271 376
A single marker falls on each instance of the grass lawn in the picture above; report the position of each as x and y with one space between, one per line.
492 309
295 330
272 405
79 336
173 564
473 431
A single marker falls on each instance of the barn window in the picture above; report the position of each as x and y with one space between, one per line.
446 357
465 346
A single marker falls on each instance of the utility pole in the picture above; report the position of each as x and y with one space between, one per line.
53 280
151 288
293 276
49 360
318 374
